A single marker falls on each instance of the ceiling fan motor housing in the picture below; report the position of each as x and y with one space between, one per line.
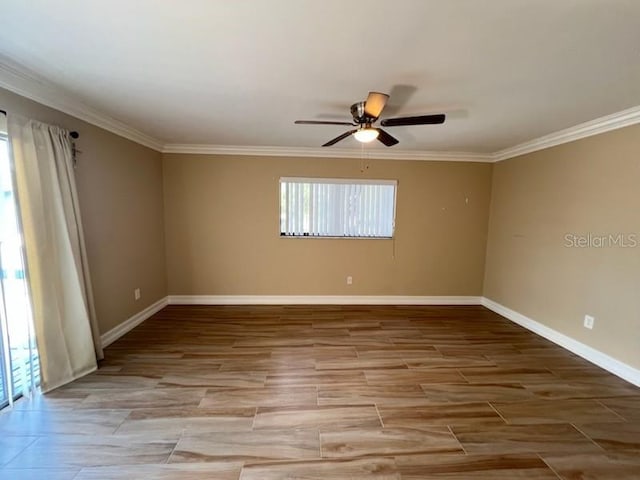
359 115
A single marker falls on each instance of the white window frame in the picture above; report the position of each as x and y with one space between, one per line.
333 181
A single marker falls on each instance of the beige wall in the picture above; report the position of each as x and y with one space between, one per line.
222 230
588 186
120 189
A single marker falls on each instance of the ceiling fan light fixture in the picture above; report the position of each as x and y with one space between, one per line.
366 135
365 114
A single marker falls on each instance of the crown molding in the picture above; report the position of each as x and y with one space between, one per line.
327 153
18 79
625 118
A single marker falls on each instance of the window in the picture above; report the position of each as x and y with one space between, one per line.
329 207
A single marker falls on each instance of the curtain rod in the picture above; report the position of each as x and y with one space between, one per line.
73 134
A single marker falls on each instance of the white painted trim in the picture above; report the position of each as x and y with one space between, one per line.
625 118
118 331
18 79
319 152
617 120
321 300
618 368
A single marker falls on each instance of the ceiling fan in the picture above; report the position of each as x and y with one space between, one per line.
366 113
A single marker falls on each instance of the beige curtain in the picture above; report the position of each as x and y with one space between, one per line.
63 312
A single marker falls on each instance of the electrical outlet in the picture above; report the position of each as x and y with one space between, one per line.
136 294
589 321
349 280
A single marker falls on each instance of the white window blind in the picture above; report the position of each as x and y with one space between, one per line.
326 207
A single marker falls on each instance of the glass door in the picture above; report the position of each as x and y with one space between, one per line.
19 367
4 387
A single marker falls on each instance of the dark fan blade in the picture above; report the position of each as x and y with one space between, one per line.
419 120
385 138
337 139
321 122
375 103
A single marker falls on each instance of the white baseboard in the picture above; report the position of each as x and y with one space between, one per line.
618 368
321 300
118 331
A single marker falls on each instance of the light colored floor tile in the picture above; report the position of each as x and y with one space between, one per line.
156 398
50 422
217 379
595 466
396 395
248 446
191 471
63 451
259 397
412 377
360 469
553 438
614 437
627 407
176 420
39 474
451 414
560 411
325 417
297 373
474 467
475 392
388 441
12 445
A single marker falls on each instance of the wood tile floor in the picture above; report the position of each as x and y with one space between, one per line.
274 393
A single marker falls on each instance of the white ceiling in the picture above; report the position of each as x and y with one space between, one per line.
224 72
